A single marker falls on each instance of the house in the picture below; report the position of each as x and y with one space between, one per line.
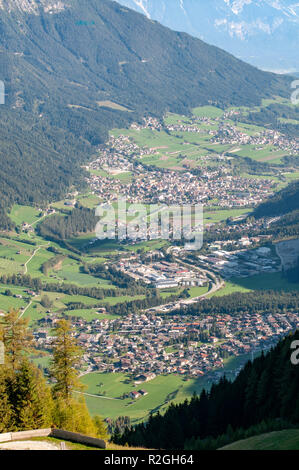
134 394
143 392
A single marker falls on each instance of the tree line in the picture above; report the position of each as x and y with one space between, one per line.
240 303
27 400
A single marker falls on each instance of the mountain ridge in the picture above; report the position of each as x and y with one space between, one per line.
261 32
64 72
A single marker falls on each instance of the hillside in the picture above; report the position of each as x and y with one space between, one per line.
283 202
278 440
74 70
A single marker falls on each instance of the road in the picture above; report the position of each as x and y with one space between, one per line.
26 308
26 271
33 255
216 284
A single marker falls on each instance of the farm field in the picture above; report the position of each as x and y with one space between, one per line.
20 214
60 303
161 391
220 215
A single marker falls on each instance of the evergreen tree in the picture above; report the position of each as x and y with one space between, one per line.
6 411
17 338
31 397
66 356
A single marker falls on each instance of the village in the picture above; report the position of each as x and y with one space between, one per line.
209 185
230 134
120 168
145 345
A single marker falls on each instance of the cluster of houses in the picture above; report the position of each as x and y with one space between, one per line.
213 185
145 345
229 134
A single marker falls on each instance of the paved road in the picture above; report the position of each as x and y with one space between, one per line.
216 284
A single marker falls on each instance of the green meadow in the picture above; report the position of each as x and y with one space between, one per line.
20 214
161 391
268 281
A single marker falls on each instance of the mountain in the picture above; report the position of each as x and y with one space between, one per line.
264 33
73 69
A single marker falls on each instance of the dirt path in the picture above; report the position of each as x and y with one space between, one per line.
33 255
28 445
26 308
96 396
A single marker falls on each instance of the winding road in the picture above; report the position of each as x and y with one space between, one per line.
216 284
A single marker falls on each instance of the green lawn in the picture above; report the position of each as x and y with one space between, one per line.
7 302
89 200
277 440
90 314
197 291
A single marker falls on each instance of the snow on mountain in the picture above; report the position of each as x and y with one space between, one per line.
262 32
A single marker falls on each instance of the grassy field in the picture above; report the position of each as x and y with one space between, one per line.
278 440
271 281
197 291
161 391
216 216
20 214
208 111
266 154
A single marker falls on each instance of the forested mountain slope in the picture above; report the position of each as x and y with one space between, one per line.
66 64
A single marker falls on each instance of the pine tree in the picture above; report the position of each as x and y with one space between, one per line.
16 337
66 356
6 411
31 397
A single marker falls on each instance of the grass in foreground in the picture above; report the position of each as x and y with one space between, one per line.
278 440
